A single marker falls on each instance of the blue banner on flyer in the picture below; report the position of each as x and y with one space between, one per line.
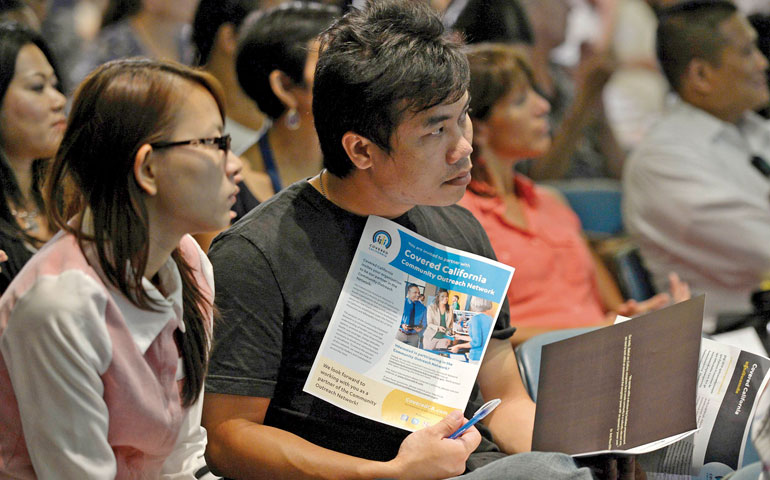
449 270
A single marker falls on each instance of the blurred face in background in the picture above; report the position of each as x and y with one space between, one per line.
517 124
32 119
181 11
548 19
740 80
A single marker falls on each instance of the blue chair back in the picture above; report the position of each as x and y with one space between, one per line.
597 204
528 355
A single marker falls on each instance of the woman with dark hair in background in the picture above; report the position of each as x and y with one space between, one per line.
32 123
215 35
559 282
105 335
502 21
275 65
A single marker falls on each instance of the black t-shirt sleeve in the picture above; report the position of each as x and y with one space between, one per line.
248 337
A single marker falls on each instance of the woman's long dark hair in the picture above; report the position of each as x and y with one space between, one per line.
14 36
119 107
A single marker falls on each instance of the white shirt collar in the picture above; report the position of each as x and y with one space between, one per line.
711 127
243 137
144 325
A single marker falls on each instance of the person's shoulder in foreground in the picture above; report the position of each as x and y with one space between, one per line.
390 106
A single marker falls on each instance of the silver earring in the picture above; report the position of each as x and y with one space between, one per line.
292 119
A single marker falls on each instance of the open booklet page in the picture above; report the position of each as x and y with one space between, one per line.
409 330
729 383
624 388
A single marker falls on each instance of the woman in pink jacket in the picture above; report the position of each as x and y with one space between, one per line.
105 333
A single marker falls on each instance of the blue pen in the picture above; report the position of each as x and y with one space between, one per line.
482 412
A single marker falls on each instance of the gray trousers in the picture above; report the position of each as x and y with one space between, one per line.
530 466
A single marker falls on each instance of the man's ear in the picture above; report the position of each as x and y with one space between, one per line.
361 151
281 85
698 76
227 39
144 170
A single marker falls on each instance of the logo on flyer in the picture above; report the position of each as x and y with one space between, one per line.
382 238
381 241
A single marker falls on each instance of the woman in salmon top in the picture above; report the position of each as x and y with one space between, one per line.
559 283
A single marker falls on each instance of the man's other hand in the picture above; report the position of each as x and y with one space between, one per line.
429 454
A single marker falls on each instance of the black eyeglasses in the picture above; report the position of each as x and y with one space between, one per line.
222 143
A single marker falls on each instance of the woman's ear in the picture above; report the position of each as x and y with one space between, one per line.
226 39
281 85
144 170
360 150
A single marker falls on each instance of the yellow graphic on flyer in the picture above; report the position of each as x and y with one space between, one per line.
365 396
409 411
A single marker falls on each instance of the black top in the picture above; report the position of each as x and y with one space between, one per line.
269 162
278 274
245 201
18 255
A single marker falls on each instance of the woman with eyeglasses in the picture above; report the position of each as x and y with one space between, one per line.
32 123
105 334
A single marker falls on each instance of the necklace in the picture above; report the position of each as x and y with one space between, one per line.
27 219
321 183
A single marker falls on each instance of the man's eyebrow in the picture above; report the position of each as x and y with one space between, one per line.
436 119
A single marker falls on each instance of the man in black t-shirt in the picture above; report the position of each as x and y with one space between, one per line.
390 106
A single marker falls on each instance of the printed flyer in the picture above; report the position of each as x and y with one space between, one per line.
730 381
626 389
406 339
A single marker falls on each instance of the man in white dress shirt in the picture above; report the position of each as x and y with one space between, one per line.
693 199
